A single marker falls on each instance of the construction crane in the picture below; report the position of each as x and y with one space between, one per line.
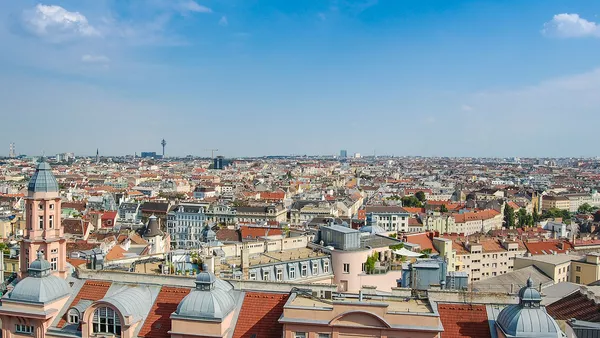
212 152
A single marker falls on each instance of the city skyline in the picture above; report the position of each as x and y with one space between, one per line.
445 78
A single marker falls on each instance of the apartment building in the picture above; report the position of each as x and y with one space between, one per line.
555 266
481 258
185 224
466 223
390 218
255 214
586 270
555 202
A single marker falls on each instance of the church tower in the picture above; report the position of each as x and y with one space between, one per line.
44 232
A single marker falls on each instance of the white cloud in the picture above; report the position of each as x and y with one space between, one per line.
223 22
56 23
570 26
90 58
193 6
466 107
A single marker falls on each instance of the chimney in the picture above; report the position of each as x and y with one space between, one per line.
245 261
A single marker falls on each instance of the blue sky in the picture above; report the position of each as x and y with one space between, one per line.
254 77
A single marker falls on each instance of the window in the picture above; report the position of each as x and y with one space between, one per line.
54 264
577 279
41 222
51 221
292 273
324 335
304 271
315 268
266 275
40 206
578 268
27 329
279 275
326 267
73 317
346 268
300 335
51 206
106 320
253 276
54 251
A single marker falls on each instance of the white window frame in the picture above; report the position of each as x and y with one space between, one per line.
24 329
299 334
279 275
346 267
54 263
326 267
252 276
40 222
315 268
292 272
51 221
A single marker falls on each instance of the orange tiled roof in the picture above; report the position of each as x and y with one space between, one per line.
255 232
423 240
260 314
546 248
158 322
91 290
115 253
475 216
464 321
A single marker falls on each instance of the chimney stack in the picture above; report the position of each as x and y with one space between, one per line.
245 261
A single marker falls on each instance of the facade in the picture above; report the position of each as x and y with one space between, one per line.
44 232
185 224
586 271
302 212
255 214
555 202
558 266
130 213
480 258
392 219
158 241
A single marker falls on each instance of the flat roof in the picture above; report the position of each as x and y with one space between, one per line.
277 256
554 259
394 304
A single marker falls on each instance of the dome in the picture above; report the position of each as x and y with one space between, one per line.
372 229
528 318
152 229
210 300
40 286
43 180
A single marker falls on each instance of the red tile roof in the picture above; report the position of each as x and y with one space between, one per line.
256 232
575 305
91 290
464 321
260 314
158 322
424 240
546 248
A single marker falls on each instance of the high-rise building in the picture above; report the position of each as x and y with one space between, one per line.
11 151
44 232
343 153
163 143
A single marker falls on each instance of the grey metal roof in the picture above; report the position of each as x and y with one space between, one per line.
206 304
82 305
43 180
152 229
528 318
40 289
131 301
372 229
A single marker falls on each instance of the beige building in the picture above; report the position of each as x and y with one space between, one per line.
555 202
480 259
557 267
586 271
466 223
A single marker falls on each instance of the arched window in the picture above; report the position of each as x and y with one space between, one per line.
106 320
73 316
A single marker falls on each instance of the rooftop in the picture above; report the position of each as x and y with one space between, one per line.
277 256
393 304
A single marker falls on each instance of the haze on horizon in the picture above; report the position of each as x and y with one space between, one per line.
274 77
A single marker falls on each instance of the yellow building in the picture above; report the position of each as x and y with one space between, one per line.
555 202
557 267
587 270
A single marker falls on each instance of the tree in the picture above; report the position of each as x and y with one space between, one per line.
411 202
536 216
522 217
585 208
420 196
509 217
443 208
529 220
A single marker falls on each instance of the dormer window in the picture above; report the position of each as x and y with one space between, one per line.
73 316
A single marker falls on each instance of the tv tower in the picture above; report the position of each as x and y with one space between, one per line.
163 143
11 151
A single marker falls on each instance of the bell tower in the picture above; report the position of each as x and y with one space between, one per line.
44 232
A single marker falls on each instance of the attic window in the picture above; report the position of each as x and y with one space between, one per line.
73 316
